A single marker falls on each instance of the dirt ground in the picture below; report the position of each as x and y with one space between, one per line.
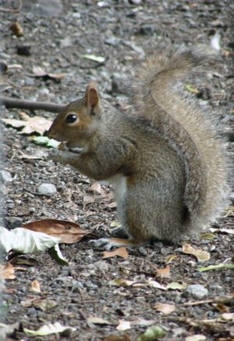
57 35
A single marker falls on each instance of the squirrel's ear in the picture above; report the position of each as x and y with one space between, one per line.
92 96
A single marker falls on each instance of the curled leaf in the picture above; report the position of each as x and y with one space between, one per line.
201 255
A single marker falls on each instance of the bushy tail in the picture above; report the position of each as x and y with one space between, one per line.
160 99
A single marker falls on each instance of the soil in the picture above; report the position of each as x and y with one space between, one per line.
56 36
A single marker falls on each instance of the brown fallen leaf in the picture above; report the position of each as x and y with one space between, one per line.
155 284
202 256
164 272
35 124
121 282
97 320
121 252
44 304
165 308
114 337
7 271
35 286
39 303
96 187
87 199
222 308
67 231
176 286
123 325
39 72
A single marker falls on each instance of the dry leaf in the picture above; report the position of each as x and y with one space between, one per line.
27 303
123 325
87 199
67 231
96 320
121 252
142 322
39 303
223 230
114 337
38 155
201 255
39 72
96 187
94 58
222 308
7 271
197 337
44 304
228 316
216 267
230 212
120 282
49 329
164 273
155 284
176 286
207 236
165 308
112 205
171 258
35 124
35 286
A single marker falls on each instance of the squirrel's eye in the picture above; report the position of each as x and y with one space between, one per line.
71 118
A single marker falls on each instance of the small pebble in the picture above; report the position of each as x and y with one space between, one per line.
102 265
76 285
5 176
13 222
197 291
47 189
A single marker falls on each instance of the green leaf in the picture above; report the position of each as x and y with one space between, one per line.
25 241
152 333
45 141
56 254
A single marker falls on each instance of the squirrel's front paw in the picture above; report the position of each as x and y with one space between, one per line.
55 154
102 242
109 243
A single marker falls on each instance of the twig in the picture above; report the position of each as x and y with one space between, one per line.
213 325
222 299
30 105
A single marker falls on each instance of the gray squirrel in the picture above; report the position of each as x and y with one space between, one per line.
165 159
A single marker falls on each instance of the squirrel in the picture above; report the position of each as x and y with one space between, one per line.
164 156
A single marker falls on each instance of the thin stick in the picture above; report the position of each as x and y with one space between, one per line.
30 105
17 10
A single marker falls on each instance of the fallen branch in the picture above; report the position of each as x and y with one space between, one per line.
30 105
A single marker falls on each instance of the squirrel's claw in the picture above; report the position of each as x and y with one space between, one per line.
106 243
55 154
109 243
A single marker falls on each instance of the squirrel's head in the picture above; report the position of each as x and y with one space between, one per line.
78 121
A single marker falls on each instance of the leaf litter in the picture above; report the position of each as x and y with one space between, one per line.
91 293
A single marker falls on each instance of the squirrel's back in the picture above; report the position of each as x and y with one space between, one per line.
191 132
